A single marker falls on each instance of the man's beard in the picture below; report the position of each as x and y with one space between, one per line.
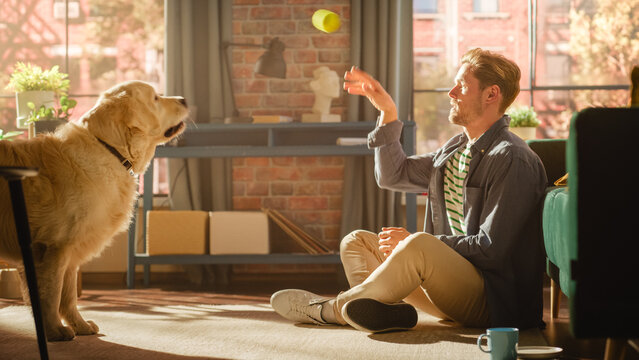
463 117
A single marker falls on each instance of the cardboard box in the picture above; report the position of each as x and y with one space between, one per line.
176 232
239 232
10 284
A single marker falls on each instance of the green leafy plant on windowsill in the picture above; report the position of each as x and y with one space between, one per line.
29 77
523 116
62 113
9 135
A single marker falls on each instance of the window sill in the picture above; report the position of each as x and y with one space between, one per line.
428 16
488 15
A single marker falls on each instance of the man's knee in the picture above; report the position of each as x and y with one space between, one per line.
355 239
420 241
358 239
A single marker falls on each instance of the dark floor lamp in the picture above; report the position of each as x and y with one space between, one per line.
270 64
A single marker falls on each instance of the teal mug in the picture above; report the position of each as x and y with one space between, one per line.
502 343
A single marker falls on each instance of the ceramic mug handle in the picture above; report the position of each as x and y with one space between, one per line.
480 344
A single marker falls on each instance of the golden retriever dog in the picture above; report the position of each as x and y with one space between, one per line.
84 193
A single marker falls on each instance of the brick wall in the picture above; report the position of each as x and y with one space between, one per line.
257 22
307 190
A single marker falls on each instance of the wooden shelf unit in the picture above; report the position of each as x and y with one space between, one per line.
258 140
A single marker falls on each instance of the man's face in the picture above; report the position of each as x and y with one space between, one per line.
465 98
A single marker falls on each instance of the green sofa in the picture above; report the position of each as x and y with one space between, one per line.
592 250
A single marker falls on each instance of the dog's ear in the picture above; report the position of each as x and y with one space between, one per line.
118 91
140 148
136 141
107 120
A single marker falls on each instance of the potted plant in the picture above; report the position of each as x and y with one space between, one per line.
523 122
47 119
32 84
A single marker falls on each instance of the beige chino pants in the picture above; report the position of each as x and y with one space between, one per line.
422 271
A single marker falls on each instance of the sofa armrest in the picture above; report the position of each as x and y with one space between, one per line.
556 240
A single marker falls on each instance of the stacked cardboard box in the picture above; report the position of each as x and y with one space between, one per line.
221 232
176 232
10 284
239 232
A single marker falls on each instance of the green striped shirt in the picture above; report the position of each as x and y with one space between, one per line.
454 176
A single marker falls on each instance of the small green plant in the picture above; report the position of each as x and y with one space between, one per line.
29 77
63 112
9 135
523 116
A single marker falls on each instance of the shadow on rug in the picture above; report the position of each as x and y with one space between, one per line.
249 331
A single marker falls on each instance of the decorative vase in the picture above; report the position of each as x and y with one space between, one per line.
38 98
526 133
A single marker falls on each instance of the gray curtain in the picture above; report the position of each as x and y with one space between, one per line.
382 45
195 30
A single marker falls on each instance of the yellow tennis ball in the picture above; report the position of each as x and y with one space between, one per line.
326 21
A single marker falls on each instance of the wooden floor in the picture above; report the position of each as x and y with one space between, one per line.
557 333
256 289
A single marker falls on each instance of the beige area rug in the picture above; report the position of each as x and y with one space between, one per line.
249 331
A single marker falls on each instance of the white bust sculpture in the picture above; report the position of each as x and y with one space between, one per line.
326 86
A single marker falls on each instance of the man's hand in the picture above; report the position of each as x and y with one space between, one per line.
358 82
389 237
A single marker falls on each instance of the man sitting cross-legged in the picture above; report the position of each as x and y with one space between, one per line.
480 260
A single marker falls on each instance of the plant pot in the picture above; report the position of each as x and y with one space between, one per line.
45 126
526 133
38 98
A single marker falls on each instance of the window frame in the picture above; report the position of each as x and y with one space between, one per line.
65 67
424 10
478 6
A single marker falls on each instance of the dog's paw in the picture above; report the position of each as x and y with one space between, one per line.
60 333
87 328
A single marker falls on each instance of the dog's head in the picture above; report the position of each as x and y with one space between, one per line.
134 119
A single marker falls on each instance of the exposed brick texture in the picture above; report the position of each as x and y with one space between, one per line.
307 48
307 190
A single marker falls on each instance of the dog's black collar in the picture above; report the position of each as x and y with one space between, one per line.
124 161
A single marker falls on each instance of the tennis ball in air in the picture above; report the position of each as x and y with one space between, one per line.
326 21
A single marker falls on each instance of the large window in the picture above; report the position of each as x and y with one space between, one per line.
485 6
99 43
573 54
424 6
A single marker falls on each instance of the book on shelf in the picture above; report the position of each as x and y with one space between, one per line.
295 232
269 119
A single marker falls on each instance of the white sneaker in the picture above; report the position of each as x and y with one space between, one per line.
299 306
